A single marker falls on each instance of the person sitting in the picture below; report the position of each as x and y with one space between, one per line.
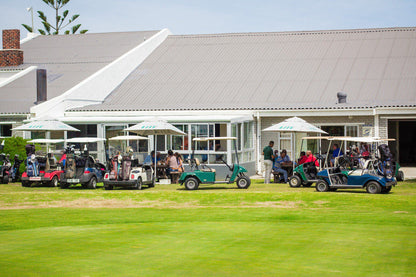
279 161
335 153
172 162
150 159
180 161
310 158
302 158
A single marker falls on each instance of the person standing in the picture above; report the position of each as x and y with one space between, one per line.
268 161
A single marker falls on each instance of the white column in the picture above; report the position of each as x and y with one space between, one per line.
229 145
100 145
376 124
258 147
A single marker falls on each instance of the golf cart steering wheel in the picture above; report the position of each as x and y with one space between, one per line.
229 167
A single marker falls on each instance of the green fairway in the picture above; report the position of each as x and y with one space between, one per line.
267 230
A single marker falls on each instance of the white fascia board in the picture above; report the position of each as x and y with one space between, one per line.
29 37
137 119
313 112
17 75
95 88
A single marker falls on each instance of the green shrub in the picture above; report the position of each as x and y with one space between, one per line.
15 145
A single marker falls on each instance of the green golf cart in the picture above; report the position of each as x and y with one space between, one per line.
203 174
305 174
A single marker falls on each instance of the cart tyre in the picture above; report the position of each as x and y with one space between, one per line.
294 181
191 183
139 183
152 184
5 179
386 189
54 182
322 186
92 184
400 176
243 182
63 185
373 187
25 184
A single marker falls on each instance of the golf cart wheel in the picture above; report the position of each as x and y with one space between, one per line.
386 189
191 183
294 181
5 179
54 182
373 187
139 183
109 187
63 185
307 184
243 182
25 184
152 184
400 176
92 184
322 186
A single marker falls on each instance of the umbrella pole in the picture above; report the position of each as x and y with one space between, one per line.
155 148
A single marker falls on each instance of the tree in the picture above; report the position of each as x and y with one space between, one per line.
60 24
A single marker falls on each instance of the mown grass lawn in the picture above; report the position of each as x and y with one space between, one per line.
267 230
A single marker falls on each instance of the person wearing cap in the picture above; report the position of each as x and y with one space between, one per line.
283 159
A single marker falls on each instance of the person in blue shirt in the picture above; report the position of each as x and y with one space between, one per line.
279 160
337 152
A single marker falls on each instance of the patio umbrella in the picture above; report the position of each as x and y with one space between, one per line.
294 125
155 127
45 124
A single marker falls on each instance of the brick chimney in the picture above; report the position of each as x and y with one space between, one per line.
11 55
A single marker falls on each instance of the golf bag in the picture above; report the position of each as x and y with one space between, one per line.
386 163
16 169
32 166
114 168
125 168
70 166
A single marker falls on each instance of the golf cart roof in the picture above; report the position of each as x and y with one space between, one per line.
46 141
214 138
317 137
361 139
129 138
84 140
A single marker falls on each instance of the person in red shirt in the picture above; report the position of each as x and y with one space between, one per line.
311 158
302 158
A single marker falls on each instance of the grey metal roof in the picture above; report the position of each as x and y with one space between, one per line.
286 70
68 59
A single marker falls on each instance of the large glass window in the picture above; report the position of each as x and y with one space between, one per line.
6 130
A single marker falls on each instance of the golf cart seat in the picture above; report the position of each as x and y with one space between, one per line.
204 168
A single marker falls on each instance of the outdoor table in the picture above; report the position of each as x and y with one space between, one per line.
288 167
161 171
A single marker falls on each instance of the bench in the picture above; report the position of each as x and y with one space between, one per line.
174 176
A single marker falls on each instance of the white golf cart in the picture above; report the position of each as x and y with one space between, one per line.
126 171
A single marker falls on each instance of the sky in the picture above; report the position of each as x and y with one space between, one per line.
216 16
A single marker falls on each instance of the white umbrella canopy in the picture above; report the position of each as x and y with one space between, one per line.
121 138
155 127
46 124
46 141
294 124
